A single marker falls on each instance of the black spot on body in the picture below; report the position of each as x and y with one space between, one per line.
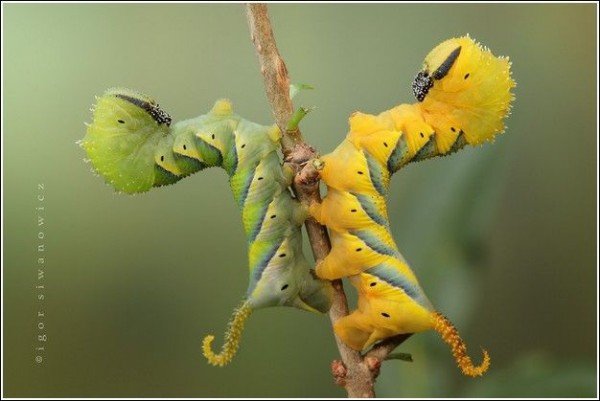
243 146
385 314
259 178
121 121
360 172
358 249
273 216
284 287
184 147
213 136
385 144
452 129
467 75
422 135
353 210
282 255
373 284
162 158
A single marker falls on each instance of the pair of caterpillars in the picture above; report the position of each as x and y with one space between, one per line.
464 95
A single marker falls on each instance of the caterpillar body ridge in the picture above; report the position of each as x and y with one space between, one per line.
464 94
133 145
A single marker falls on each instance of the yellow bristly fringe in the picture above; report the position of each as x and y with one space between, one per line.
232 338
459 350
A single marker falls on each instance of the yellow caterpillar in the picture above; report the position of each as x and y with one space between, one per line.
464 94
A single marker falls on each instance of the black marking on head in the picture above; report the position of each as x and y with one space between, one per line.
353 210
385 314
385 144
243 146
373 284
121 121
423 82
421 85
452 129
162 158
284 287
467 75
157 114
360 172
422 134
282 255
446 65
184 147
213 136
358 249
273 216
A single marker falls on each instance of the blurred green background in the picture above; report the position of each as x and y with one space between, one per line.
502 237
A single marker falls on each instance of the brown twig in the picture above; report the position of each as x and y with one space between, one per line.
355 373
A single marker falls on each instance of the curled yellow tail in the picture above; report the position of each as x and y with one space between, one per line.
459 350
233 336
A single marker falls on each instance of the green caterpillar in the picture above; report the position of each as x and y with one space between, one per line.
132 144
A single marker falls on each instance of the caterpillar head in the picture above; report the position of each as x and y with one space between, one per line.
464 82
123 139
